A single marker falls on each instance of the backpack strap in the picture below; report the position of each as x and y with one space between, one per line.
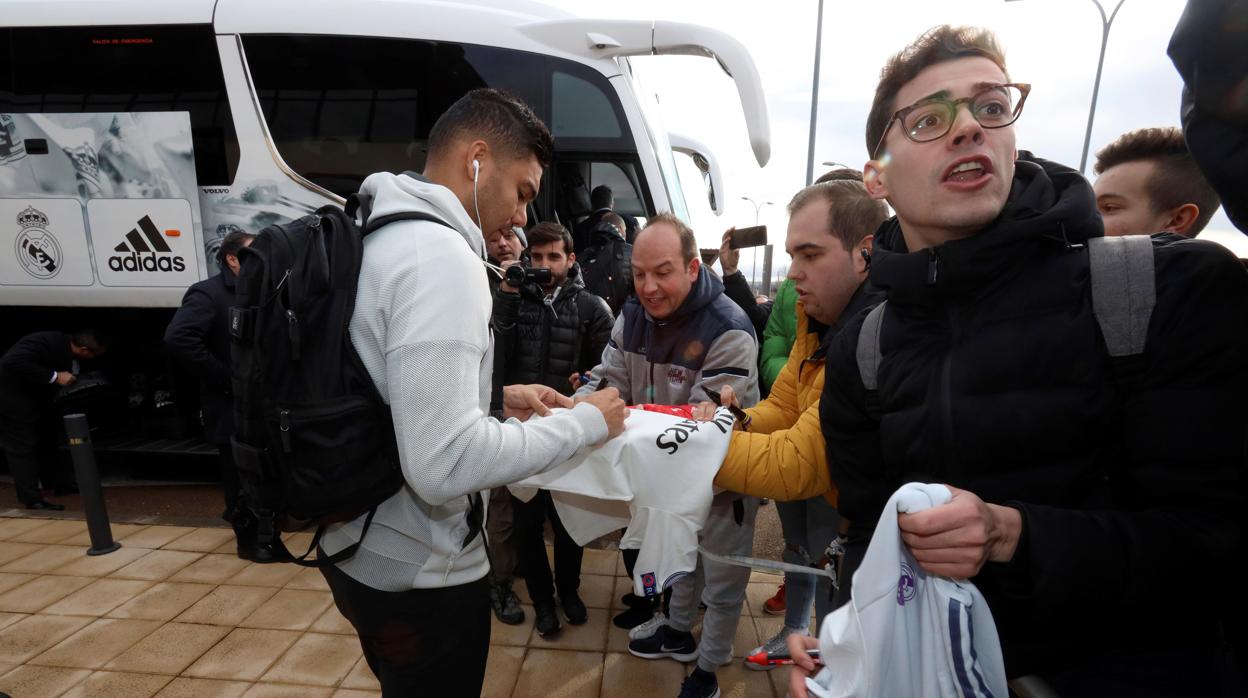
372 224
306 559
1123 291
868 355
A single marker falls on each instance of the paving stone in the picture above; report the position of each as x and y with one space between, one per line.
625 676
211 569
111 684
40 592
16 527
34 634
54 532
96 644
170 649
202 540
157 565
100 565
560 674
361 676
277 690
99 597
318 659
290 609
164 601
244 654
227 605
270 575
184 687
154 537
40 680
502 668
10 551
45 559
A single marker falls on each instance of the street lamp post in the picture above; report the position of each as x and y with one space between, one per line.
1106 24
754 253
814 98
1096 85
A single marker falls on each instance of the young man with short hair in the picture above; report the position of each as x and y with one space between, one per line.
1148 183
1073 475
548 331
416 591
782 455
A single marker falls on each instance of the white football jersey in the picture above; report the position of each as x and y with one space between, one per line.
655 480
905 633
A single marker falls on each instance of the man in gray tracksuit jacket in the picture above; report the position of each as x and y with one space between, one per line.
677 337
416 591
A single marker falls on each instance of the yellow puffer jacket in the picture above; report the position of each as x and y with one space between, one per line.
782 456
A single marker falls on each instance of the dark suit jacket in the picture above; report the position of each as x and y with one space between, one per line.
198 336
26 372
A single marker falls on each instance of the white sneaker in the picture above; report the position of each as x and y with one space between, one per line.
778 643
648 628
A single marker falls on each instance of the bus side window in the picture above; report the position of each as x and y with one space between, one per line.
126 69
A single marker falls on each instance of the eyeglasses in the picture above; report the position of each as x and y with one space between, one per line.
929 119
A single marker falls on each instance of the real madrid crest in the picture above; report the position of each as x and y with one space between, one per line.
37 251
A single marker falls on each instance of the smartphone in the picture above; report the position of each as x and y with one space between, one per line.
709 255
753 236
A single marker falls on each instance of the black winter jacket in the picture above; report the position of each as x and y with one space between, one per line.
198 336
995 379
607 266
546 341
738 289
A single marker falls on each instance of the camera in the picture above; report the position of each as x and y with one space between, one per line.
517 275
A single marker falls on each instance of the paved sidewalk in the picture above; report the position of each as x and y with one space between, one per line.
175 613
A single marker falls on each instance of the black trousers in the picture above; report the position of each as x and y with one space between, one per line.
530 518
422 642
20 438
230 485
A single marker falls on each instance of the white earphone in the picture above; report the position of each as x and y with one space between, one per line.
476 171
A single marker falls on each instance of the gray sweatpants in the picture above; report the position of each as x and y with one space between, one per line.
721 587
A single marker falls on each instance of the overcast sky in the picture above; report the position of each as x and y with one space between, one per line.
1052 44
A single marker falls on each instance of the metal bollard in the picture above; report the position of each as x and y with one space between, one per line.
89 485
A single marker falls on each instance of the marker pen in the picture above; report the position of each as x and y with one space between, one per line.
779 658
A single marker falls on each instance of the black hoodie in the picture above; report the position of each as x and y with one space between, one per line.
995 379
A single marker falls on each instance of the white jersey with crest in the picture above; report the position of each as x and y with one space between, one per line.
907 633
655 480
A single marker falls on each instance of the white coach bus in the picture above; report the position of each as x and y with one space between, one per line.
135 134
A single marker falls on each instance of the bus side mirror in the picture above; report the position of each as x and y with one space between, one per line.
705 162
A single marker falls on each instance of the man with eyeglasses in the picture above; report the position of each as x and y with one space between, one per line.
1087 492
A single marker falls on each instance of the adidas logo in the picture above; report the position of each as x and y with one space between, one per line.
145 252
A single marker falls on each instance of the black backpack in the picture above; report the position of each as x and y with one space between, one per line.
606 269
313 442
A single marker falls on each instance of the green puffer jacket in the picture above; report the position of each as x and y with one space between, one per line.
780 334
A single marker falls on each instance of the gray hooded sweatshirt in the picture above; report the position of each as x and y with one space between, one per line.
422 328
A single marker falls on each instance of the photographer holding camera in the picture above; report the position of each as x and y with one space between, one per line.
548 326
